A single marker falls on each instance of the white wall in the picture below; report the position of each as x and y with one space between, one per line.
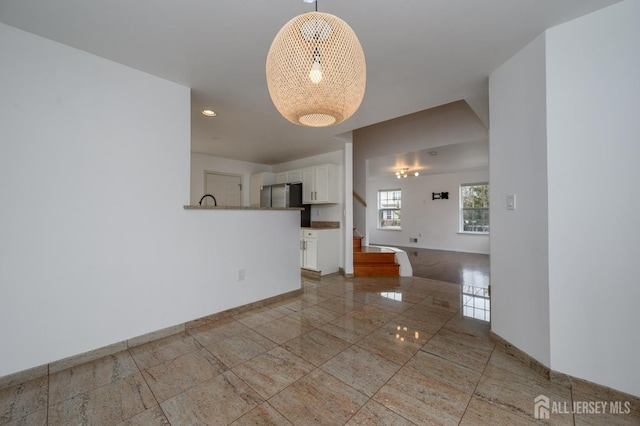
593 107
435 223
519 243
564 138
95 246
201 163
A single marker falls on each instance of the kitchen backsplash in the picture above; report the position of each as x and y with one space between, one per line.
325 224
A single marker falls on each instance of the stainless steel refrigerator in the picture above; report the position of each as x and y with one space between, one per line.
286 195
281 195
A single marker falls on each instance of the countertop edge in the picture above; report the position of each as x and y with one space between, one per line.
189 207
318 228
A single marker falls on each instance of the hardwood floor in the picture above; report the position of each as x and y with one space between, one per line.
450 266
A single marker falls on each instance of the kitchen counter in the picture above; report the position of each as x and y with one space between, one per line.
189 207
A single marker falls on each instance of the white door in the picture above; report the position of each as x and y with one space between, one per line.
227 189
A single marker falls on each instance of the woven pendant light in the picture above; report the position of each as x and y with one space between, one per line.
316 72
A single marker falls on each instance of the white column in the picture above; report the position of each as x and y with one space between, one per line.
348 209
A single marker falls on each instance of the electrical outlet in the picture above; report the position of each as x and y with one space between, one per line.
240 274
413 240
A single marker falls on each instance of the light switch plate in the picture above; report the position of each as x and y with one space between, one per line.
511 201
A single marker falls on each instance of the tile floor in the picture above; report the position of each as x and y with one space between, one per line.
365 351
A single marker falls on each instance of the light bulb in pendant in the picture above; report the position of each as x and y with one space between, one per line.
315 75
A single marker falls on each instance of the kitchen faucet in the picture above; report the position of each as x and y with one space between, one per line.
215 203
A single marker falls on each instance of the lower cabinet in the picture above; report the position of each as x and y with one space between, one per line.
319 250
310 253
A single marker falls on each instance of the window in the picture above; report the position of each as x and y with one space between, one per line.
474 208
389 209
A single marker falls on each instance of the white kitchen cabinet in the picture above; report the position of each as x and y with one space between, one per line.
294 176
310 253
281 177
319 250
308 185
256 183
320 184
290 176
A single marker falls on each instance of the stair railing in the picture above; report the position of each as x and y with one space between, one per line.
359 198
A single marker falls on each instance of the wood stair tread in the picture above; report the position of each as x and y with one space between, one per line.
375 270
371 261
381 258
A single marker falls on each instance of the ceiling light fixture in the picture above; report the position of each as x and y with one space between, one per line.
316 71
208 113
404 172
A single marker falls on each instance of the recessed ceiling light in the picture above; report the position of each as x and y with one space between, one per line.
433 152
208 113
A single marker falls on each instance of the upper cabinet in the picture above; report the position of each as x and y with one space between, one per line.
257 181
294 176
291 176
320 184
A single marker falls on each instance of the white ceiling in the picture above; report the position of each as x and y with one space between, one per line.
419 53
467 156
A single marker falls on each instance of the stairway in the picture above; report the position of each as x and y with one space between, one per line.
371 261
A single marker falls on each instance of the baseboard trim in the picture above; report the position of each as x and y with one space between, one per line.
24 376
521 355
240 309
75 360
562 379
308 273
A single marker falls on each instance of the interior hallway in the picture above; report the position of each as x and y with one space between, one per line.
347 351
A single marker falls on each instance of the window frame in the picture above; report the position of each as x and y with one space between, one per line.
394 210
485 210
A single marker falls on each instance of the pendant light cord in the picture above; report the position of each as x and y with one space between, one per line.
312 1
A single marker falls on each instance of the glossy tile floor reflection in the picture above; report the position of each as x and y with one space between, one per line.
364 351
470 270
476 303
